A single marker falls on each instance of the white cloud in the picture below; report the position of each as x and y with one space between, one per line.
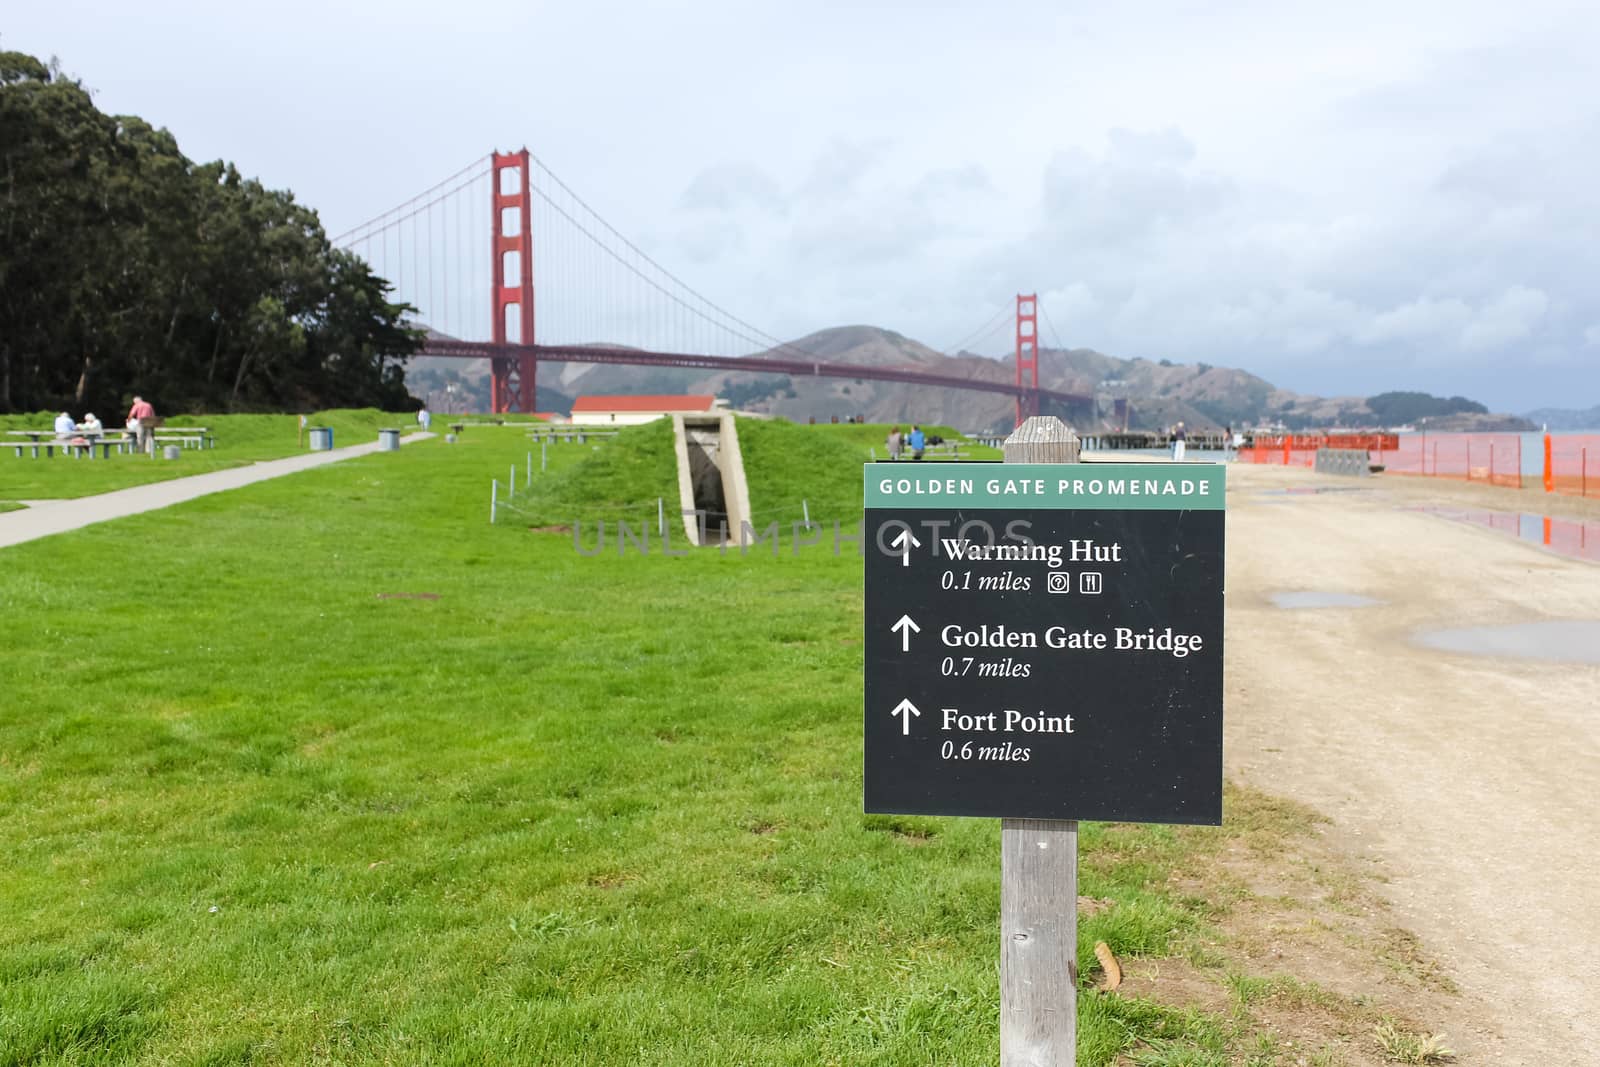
1423 319
1511 316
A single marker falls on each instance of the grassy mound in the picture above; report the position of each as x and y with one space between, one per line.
621 478
786 463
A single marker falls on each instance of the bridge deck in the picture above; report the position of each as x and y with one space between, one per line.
757 364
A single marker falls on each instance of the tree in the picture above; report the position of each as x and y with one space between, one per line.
125 267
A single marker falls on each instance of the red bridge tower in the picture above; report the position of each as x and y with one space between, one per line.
513 379
1027 355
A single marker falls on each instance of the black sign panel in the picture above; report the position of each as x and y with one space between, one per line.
1050 662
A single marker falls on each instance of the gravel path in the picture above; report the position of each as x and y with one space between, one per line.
1469 784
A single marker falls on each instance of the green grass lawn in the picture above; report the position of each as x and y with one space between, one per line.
241 439
328 770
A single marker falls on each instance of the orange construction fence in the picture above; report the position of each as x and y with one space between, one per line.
1300 449
1495 458
1571 461
1572 464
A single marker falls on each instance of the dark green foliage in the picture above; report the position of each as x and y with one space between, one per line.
739 394
1392 409
127 268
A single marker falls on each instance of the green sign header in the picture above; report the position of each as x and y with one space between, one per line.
1068 486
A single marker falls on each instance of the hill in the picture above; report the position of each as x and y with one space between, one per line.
1566 418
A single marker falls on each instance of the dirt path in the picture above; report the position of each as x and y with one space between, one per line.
1471 783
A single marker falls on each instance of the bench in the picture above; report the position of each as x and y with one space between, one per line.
34 445
68 448
201 436
187 440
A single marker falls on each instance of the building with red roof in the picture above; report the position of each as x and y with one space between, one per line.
632 410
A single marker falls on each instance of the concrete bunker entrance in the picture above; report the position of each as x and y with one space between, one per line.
711 485
705 477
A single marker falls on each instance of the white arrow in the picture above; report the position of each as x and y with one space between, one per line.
905 709
905 628
905 541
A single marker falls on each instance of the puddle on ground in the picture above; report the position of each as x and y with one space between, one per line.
1568 537
1313 598
1564 641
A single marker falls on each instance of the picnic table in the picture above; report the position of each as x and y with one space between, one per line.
187 436
79 444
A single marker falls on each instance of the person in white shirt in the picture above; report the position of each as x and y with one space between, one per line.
90 425
65 427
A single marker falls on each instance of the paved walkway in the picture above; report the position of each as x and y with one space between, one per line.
45 517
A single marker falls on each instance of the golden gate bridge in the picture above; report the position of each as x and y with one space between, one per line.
601 299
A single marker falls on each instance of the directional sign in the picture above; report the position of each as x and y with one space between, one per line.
905 628
905 709
1045 641
905 541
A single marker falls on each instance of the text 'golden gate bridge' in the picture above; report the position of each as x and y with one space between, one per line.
601 299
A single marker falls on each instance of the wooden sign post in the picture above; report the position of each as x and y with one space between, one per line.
1039 877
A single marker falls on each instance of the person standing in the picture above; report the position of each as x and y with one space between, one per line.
424 418
1179 443
896 443
917 442
141 423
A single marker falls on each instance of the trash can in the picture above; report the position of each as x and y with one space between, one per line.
170 451
321 439
388 440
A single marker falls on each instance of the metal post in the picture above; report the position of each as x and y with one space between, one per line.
529 482
805 509
494 499
544 453
661 517
1039 877
511 481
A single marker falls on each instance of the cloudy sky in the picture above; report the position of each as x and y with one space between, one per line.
1344 198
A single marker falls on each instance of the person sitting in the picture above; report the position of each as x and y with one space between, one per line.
91 425
65 427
